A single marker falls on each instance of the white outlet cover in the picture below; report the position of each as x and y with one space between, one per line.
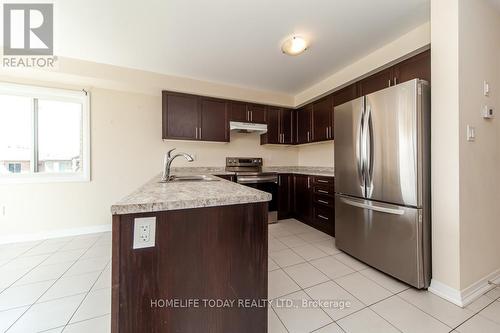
139 224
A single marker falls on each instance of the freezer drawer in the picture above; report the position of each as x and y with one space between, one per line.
387 237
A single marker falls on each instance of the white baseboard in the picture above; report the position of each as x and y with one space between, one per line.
466 296
54 234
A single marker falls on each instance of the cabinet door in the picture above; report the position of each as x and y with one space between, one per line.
238 111
321 113
180 116
284 196
302 202
286 127
214 124
416 67
376 82
345 94
273 126
257 113
303 120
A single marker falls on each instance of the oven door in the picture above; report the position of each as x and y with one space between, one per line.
267 184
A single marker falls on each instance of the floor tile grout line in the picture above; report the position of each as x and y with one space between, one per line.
80 321
281 321
12 285
332 280
416 307
31 305
29 271
12 259
81 302
475 314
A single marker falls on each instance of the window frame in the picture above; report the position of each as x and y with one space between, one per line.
62 95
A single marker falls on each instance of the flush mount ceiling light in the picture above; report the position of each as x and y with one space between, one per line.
294 46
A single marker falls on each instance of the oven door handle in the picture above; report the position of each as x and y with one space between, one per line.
254 180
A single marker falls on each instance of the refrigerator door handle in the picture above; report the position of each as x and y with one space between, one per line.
360 149
368 153
381 209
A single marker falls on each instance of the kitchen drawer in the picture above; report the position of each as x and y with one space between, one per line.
323 190
324 200
319 180
323 215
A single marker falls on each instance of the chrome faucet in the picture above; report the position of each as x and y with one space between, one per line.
167 162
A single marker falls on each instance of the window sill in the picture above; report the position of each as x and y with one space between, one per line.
44 178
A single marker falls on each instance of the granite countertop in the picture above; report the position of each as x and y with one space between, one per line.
155 196
311 171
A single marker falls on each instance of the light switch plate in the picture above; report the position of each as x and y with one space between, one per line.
471 133
486 88
144 232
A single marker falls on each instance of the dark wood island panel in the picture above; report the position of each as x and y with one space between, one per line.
201 253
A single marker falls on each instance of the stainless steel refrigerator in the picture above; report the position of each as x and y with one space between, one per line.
382 180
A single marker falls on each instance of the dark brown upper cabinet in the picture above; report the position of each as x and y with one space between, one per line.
180 116
238 111
304 124
249 113
287 126
418 66
273 135
191 117
376 82
345 94
279 126
257 113
214 120
322 119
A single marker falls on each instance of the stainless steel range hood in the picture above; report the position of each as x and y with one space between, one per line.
242 127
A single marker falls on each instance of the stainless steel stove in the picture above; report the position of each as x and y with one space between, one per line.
248 172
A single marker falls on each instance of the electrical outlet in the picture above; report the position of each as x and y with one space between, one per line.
144 232
3 211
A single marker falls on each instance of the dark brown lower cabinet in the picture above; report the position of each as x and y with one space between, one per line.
303 198
285 196
214 253
311 200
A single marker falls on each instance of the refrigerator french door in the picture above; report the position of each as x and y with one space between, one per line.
382 180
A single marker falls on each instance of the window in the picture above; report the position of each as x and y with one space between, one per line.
44 134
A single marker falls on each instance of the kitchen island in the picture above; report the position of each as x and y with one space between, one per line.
207 270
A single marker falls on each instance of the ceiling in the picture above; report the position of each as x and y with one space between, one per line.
233 42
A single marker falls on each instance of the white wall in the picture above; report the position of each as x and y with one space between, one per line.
316 154
465 177
480 160
445 143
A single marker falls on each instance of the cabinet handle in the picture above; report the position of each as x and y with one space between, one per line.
251 115
326 132
322 181
395 80
323 217
196 132
325 192
248 115
200 133
389 82
307 136
308 182
323 202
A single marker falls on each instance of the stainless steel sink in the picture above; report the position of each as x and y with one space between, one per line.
191 178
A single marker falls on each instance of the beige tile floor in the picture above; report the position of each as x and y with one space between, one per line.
63 285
